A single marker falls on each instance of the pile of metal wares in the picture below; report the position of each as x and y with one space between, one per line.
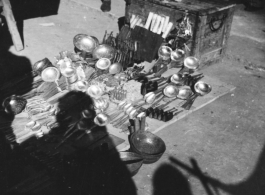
124 91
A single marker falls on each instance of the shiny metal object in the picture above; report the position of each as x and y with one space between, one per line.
81 86
50 74
164 52
171 91
101 104
191 63
104 51
95 91
184 92
85 43
176 78
103 64
40 65
148 145
14 104
150 97
115 68
177 58
101 119
202 88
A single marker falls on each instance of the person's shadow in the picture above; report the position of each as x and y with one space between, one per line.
16 79
169 180
253 185
82 163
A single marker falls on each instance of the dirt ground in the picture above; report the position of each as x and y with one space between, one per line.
218 149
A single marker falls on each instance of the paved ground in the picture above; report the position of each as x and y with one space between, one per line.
225 139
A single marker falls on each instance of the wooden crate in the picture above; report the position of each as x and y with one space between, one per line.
211 23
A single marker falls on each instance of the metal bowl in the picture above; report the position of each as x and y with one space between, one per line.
103 63
95 91
104 51
171 91
184 92
177 55
176 78
164 52
202 88
85 43
101 119
191 63
115 68
50 74
148 145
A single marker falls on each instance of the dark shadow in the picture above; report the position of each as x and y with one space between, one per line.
11 66
80 165
106 5
169 180
253 185
16 79
121 22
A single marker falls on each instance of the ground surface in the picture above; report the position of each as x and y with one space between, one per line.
225 138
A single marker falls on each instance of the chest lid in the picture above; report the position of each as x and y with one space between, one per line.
201 7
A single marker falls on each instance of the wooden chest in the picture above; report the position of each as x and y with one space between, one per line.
210 23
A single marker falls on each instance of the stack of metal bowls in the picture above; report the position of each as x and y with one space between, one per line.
148 145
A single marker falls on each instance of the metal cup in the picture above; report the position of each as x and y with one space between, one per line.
102 65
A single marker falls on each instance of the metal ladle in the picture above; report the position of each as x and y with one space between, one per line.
51 74
201 89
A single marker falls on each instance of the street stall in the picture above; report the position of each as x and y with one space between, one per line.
116 92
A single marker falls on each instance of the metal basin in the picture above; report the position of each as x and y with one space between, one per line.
148 145
85 43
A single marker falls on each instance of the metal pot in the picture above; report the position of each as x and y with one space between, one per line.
85 43
104 51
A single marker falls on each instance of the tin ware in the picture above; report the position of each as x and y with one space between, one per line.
148 145
201 88
177 58
40 65
115 68
102 66
51 74
81 86
85 43
104 51
191 64
14 104
95 91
